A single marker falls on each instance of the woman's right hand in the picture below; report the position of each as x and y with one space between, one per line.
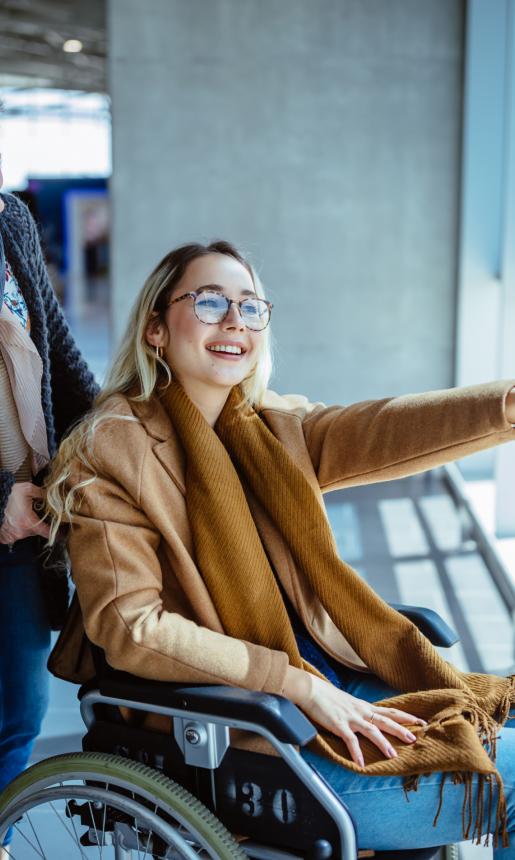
347 716
20 520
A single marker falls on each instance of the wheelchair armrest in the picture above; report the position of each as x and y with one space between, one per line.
273 712
429 623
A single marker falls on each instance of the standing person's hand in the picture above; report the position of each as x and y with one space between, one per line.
347 716
20 520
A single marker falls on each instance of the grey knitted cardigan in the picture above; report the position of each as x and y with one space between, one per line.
67 387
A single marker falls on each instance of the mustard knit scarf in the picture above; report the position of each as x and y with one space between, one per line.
463 711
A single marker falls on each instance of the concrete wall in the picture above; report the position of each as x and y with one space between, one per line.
324 139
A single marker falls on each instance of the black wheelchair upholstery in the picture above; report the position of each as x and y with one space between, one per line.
259 797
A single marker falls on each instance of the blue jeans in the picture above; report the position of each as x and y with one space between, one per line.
388 820
24 648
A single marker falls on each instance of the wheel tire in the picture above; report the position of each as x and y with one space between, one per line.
172 799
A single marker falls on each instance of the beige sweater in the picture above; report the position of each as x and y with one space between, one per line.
13 446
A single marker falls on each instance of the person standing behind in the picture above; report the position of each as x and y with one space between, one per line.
45 386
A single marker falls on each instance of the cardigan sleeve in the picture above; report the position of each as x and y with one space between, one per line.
7 480
380 440
114 551
73 384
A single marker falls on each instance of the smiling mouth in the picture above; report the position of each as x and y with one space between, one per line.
226 349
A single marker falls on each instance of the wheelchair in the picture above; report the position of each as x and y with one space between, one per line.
134 793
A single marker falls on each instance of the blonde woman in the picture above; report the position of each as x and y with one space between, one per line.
201 551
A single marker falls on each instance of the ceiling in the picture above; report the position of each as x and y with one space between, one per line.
32 33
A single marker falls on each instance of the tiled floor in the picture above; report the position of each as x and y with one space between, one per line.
405 538
410 543
482 497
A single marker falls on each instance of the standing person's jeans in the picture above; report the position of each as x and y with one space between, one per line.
385 818
24 648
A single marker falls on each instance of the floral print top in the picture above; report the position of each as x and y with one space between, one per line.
13 298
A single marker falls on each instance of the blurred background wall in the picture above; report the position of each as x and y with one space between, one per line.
324 139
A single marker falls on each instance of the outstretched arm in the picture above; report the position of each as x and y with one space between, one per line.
380 440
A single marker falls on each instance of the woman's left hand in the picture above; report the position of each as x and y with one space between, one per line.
20 520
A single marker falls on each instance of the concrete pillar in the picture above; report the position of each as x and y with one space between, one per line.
324 140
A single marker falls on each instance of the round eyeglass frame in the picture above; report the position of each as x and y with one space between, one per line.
194 294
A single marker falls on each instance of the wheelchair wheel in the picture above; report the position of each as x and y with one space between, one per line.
95 805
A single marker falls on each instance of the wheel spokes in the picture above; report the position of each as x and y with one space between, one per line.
22 834
99 844
35 834
150 832
77 840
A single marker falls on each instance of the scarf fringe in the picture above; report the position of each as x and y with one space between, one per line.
502 713
487 728
473 821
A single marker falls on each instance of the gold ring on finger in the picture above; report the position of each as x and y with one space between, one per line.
371 718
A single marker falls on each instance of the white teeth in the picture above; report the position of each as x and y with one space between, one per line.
236 350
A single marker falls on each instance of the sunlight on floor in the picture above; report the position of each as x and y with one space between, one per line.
482 497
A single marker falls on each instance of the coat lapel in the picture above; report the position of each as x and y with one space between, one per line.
167 447
171 457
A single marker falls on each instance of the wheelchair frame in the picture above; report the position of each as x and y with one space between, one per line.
203 737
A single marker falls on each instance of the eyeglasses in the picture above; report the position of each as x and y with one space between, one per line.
212 307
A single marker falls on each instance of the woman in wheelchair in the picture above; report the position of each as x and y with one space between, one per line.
201 552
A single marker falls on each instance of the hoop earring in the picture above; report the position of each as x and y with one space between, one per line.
159 352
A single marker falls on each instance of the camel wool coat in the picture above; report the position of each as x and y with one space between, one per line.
142 597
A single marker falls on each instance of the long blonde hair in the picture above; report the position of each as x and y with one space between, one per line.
136 367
